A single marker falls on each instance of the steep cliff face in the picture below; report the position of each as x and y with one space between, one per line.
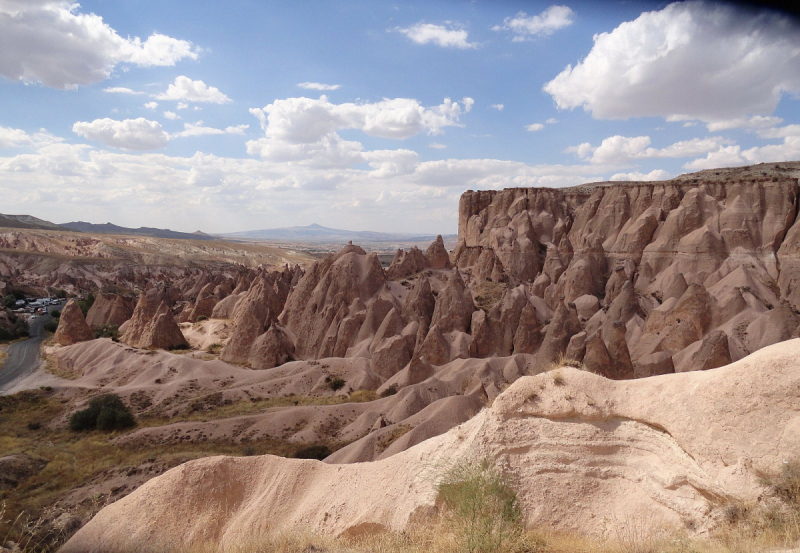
692 272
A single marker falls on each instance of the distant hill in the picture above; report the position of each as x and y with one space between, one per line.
320 234
109 228
28 222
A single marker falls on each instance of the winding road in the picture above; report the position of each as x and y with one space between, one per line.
23 357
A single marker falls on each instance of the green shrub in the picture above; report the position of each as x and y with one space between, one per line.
481 507
55 313
21 329
179 347
86 304
50 326
105 412
201 318
336 383
9 300
107 331
318 452
389 391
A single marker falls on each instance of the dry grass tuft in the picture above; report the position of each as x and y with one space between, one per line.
488 293
564 361
388 438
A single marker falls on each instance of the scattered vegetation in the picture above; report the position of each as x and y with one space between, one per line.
18 330
31 422
564 361
335 383
388 438
105 412
215 348
86 304
785 483
481 508
107 331
478 507
318 452
9 301
209 407
362 396
488 293
179 347
389 391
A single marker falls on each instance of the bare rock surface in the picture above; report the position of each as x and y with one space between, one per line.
580 448
437 254
152 325
72 327
676 262
407 263
109 309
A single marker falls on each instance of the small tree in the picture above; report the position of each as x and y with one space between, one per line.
21 328
86 304
105 412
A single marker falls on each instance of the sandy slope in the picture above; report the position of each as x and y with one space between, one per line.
585 452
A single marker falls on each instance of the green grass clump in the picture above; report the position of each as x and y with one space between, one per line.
482 507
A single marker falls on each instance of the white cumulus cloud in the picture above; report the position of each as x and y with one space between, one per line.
198 129
525 27
13 137
305 130
533 127
655 174
498 107
151 105
121 90
618 149
189 90
171 115
319 86
753 122
690 60
130 134
53 43
733 155
429 33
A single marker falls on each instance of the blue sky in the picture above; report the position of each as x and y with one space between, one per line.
373 115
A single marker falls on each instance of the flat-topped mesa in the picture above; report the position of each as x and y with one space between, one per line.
733 234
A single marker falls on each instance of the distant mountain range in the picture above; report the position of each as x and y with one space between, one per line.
109 228
308 234
27 221
318 233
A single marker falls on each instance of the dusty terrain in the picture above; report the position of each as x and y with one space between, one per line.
638 286
581 448
78 262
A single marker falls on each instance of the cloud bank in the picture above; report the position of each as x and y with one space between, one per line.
51 42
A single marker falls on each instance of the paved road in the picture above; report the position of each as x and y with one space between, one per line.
23 357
